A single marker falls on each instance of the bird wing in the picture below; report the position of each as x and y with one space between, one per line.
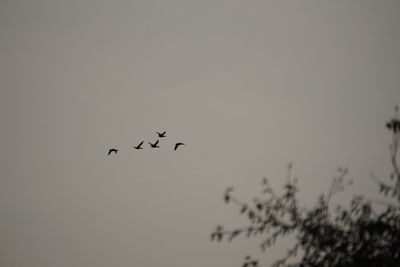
150 143
164 133
141 143
156 142
109 152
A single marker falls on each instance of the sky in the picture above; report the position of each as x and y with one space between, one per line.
249 86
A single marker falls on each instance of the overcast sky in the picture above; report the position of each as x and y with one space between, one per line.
248 85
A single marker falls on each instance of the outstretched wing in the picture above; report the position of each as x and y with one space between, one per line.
156 143
141 143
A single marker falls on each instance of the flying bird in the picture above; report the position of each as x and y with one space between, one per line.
139 146
177 145
161 134
155 145
112 150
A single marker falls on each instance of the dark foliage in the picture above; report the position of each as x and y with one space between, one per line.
358 235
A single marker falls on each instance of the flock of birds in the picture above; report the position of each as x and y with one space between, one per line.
152 145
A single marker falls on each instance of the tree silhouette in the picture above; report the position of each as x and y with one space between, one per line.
357 235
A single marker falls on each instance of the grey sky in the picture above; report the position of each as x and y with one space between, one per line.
248 85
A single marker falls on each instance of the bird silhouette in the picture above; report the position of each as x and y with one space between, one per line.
112 150
155 145
249 262
139 146
177 145
161 135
